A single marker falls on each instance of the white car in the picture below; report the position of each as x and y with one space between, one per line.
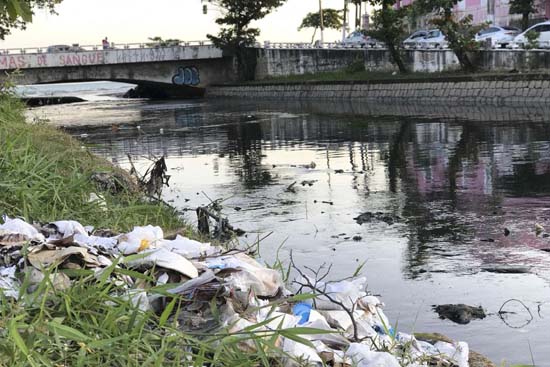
498 36
543 30
434 39
357 38
412 40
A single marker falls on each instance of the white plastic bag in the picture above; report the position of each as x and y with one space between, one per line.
8 282
189 248
362 356
19 226
165 259
458 352
69 228
140 239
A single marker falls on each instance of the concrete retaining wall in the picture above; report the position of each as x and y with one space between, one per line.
464 91
284 62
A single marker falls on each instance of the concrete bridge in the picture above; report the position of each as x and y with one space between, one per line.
181 70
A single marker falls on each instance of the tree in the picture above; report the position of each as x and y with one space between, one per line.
525 8
460 33
388 26
357 4
15 14
236 34
332 18
161 42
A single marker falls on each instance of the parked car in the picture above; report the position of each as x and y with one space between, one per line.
64 48
412 40
543 30
358 38
498 36
434 39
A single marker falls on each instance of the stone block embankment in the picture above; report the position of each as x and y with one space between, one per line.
465 90
285 62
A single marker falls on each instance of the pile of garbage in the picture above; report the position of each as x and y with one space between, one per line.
349 325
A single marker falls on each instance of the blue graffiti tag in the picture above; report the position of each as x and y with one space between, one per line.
187 76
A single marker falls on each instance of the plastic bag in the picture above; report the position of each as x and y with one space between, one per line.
69 228
459 352
253 276
362 356
140 239
19 226
8 282
165 259
348 292
189 248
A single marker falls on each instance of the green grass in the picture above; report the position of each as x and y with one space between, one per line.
46 176
88 325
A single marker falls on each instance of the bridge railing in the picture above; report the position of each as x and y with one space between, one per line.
318 45
114 46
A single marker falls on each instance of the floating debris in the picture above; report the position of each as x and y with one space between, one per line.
369 217
507 269
460 313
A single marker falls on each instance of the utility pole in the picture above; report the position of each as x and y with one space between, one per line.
322 22
345 20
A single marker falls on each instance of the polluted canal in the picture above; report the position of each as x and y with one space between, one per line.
441 211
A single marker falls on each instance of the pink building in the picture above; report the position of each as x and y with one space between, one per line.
494 11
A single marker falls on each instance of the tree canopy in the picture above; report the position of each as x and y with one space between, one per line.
525 8
15 14
236 19
459 33
388 26
332 19
236 34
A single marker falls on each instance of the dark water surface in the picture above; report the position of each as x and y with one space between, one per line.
452 177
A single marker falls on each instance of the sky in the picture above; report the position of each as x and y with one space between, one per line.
87 22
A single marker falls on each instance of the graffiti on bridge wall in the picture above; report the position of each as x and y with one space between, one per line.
186 76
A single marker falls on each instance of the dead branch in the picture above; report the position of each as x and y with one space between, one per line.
291 188
313 287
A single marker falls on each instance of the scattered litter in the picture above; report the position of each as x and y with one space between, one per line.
222 291
460 313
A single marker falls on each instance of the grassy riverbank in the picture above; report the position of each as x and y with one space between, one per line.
46 176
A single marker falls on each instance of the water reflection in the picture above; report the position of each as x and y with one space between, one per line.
455 181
